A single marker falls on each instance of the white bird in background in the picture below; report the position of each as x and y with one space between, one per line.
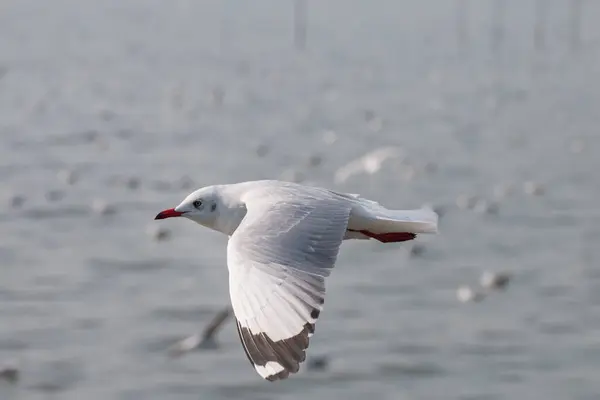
284 239
204 340
369 163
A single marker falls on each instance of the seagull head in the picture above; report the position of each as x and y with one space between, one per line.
202 206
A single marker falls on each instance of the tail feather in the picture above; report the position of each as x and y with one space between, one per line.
376 219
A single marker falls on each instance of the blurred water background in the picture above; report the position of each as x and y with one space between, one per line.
111 111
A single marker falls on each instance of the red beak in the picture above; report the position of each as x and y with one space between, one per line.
168 214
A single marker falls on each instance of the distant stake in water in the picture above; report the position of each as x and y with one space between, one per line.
498 12
575 22
539 29
300 22
462 20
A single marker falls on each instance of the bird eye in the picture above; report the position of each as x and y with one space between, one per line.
197 204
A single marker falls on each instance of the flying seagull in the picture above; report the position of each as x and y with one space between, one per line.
284 239
204 340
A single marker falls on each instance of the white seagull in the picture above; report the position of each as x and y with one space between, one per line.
284 239
206 339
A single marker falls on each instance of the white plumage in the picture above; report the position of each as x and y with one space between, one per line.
284 242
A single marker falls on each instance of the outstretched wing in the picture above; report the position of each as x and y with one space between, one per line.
278 259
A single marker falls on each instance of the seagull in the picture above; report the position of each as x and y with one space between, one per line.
206 339
284 240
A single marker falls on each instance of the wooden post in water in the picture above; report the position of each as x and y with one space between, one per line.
224 26
498 13
539 28
300 21
462 22
576 8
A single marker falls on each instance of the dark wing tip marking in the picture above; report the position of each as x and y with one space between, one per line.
279 376
287 353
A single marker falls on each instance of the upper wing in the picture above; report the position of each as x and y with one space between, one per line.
278 259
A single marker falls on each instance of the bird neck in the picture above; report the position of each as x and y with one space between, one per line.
232 211
228 222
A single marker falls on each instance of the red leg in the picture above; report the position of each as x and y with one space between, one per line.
390 237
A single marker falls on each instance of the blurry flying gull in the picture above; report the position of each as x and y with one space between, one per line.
369 163
204 340
284 239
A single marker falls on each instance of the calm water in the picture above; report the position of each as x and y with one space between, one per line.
161 91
